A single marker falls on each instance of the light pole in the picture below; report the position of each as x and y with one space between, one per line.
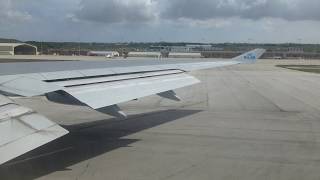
79 48
41 48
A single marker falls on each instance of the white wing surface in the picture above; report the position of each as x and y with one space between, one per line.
22 130
27 86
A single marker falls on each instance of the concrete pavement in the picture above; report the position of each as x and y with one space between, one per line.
243 122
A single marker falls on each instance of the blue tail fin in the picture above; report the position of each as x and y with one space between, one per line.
250 57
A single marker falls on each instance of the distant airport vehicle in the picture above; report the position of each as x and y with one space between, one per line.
108 54
96 84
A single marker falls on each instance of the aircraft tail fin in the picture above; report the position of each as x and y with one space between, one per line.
250 57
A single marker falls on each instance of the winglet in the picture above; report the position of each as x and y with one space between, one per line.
250 57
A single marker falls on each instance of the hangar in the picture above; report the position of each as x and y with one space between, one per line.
17 49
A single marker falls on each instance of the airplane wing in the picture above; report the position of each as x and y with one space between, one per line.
99 85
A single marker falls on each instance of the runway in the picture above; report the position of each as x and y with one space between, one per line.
243 122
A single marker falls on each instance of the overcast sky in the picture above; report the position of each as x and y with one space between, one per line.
262 21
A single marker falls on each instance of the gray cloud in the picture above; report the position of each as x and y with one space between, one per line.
171 20
249 9
9 13
115 11
137 11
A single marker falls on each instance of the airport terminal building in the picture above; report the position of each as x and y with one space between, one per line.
17 49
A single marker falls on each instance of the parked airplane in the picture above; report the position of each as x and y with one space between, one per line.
99 85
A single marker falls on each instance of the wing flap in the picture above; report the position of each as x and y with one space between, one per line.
22 130
109 93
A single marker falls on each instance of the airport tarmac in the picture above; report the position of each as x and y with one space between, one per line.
28 58
244 122
31 58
